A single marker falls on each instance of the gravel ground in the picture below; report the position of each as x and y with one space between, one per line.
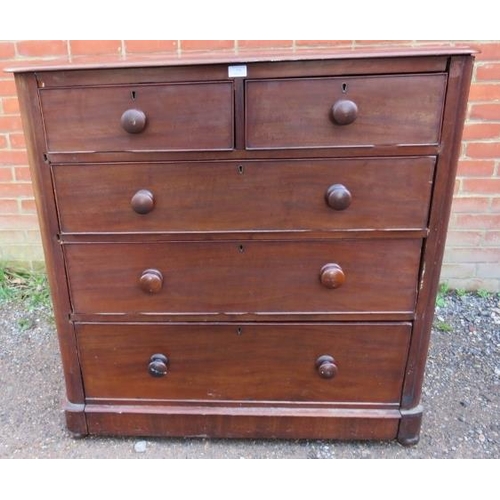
461 398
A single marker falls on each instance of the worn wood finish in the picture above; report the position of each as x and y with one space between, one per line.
248 196
247 363
456 106
230 422
365 151
195 116
54 260
297 113
252 256
409 427
271 276
213 66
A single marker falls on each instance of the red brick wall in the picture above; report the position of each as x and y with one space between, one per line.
472 257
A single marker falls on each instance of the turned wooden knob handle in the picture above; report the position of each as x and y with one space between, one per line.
326 366
143 201
133 121
338 197
344 112
158 365
151 281
332 276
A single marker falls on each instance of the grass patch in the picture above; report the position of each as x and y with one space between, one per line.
441 295
443 326
29 287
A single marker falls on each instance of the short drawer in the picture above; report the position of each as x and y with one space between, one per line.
183 117
350 111
298 362
244 277
293 195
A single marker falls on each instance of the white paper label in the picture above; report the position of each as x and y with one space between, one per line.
237 71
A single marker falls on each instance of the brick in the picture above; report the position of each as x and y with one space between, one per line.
33 236
95 47
13 236
464 255
470 204
378 43
324 43
433 43
464 238
38 266
6 174
488 270
18 221
495 205
42 48
28 206
478 131
150 46
206 45
22 174
483 149
477 221
474 168
3 141
9 206
15 190
473 284
485 111
10 124
264 44
492 238
10 105
456 270
7 50
488 71
7 87
22 253
488 51
481 186
17 140
484 92
13 157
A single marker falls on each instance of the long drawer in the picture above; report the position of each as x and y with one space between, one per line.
185 117
335 194
250 276
347 111
251 362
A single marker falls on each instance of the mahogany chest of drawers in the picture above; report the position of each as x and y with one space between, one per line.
246 247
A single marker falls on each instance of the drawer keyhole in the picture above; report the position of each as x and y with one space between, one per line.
133 95
241 170
241 248
344 88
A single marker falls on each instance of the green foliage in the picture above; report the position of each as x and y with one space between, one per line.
442 326
25 324
27 286
484 294
461 292
441 295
